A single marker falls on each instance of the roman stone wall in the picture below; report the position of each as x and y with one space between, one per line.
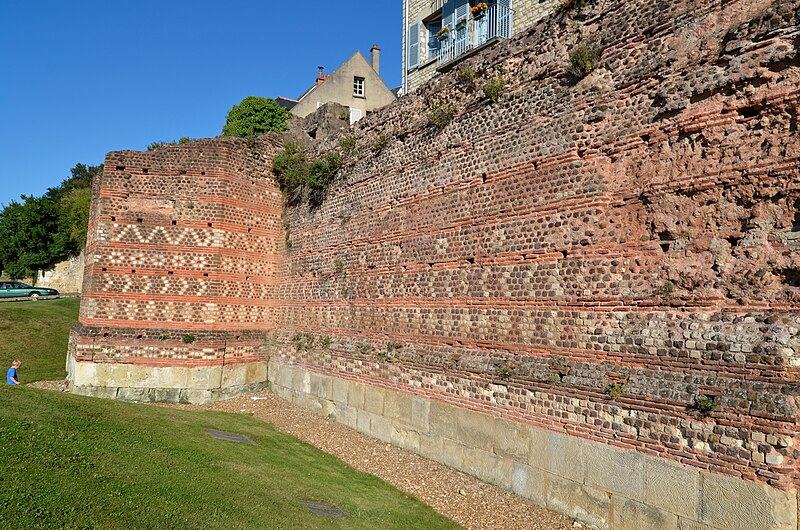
586 291
180 273
612 257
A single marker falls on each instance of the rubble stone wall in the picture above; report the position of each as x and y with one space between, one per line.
612 257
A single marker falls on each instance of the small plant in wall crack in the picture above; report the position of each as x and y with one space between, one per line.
615 390
303 341
188 339
338 267
493 88
666 289
390 354
365 349
163 337
379 143
583 60
467 76
325 342
441 115
706 405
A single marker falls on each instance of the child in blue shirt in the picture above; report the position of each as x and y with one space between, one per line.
11 377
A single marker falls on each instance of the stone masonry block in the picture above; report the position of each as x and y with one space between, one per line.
420 414
672 487
355 395
512 439
489 467
452 454
397 406
529 482
631 515
584 503
340 388
431 446
734 504
476 430
409 440
373 399
443 421
380 427
320 385
563 456
363 421
615 470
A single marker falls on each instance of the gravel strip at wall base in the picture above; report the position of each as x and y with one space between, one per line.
462 498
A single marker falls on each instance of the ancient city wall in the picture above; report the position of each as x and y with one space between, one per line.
599 261
585 292
180 274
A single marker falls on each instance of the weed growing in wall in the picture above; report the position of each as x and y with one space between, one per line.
615 390
666 289
347 144
292 169
303 341
363 348
379 143
583 60
325 341
441 115
466 76
338 267
163 337
493 89
188 339
572 5
706 404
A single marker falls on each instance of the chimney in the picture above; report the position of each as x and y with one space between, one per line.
320 75
376 58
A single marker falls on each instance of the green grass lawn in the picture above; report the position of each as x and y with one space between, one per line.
75 462
37 333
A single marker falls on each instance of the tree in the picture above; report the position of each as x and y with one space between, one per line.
29 236
255 116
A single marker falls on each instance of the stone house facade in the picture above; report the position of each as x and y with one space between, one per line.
471 25
356 84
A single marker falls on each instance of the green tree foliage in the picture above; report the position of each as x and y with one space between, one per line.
255 116
40 231
29 236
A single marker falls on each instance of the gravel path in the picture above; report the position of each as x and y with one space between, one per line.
464 499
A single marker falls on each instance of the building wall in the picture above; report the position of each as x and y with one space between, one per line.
338 88
525 14
180 270
66 276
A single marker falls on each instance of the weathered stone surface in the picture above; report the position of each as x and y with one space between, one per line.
631 515
735 504
530 483
582 502
672 487
615 470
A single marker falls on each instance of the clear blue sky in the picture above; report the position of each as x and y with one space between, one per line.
81 78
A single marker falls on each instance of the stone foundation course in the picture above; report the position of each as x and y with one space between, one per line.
601 486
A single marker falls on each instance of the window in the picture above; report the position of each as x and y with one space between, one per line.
434 44
358 87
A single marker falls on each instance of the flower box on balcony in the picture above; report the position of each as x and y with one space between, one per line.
479 10
443 34
462 24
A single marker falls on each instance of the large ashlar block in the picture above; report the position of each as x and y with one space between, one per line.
730 503
628 514
512 440
559 454
672 487
529 482
129 382
615 470
321 385
584 503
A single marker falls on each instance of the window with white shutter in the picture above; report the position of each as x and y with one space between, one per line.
413 44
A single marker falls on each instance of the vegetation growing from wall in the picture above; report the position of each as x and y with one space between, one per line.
583 60
162 143
37 232
293 170
255 116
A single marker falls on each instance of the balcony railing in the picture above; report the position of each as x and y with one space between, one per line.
495 22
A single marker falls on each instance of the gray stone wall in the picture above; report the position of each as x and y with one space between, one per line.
602 486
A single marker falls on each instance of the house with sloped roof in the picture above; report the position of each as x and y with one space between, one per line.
356 84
